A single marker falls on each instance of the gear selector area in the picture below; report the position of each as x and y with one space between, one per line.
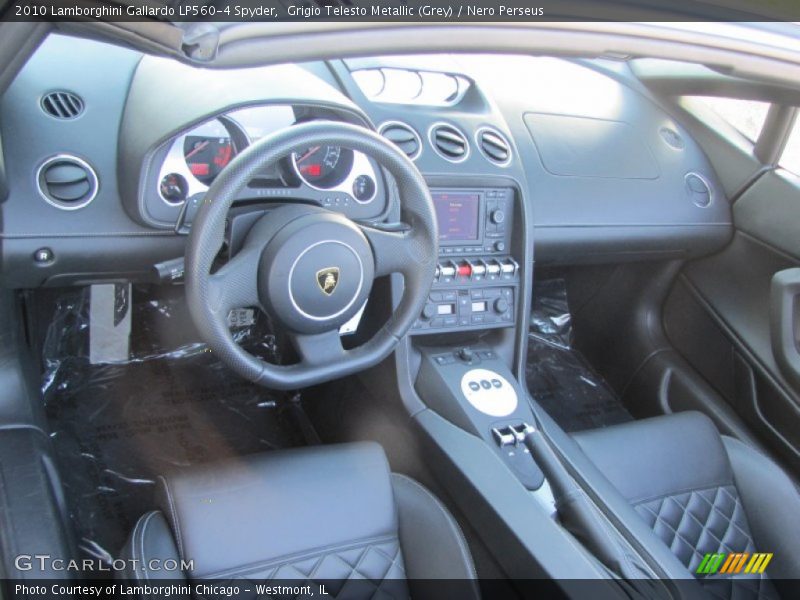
474 389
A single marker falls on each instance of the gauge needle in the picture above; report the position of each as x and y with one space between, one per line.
197 149
308 153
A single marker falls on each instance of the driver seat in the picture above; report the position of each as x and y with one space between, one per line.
333 515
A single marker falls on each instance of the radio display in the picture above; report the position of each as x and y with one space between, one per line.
457 214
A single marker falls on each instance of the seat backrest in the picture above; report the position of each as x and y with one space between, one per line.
327 515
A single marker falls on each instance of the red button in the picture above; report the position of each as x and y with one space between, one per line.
465 270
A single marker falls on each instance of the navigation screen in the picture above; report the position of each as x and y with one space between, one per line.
457 215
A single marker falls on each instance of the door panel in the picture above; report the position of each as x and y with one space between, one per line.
769 211
719 314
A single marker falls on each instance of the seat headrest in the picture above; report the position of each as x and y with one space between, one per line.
659 456
258 509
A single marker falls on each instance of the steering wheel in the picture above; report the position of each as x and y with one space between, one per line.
308 268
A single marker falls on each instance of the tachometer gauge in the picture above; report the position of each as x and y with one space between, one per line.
207 150
323 166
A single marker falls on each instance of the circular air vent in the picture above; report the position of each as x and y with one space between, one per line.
698 189
402 136
494 146
62 105
67 182
449 142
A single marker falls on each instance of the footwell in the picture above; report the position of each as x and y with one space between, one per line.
117 425
558 376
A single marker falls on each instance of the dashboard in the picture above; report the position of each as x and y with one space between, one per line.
107 153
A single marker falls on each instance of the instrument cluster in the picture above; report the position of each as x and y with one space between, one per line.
332 176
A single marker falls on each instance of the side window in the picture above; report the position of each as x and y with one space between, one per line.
745 116
790 159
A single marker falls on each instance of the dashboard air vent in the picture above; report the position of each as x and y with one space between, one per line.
494 146
62 105
402 136
67 182
449 142
698 189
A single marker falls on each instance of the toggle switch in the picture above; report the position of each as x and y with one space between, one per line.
503 436
448 271
512 435
509 266
493 268
520 431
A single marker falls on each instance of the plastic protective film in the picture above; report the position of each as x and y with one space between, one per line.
558 376
117 424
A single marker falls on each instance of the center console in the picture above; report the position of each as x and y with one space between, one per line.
461 377
476 287
479 434
473 388
476 284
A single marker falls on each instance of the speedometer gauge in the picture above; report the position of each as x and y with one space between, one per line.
207 150
323 166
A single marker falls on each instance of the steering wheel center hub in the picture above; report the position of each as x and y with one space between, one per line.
316 272
325 280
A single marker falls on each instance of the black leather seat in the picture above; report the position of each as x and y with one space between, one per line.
332 514
702 493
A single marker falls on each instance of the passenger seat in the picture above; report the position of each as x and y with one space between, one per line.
702 493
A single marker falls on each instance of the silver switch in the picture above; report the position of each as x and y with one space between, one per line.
503 437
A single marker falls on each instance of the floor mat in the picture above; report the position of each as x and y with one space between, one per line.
558 376
117 426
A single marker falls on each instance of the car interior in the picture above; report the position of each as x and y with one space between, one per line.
399 322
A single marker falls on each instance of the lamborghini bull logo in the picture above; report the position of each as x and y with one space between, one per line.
328 279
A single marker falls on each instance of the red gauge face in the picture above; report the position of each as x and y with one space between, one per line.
207 156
